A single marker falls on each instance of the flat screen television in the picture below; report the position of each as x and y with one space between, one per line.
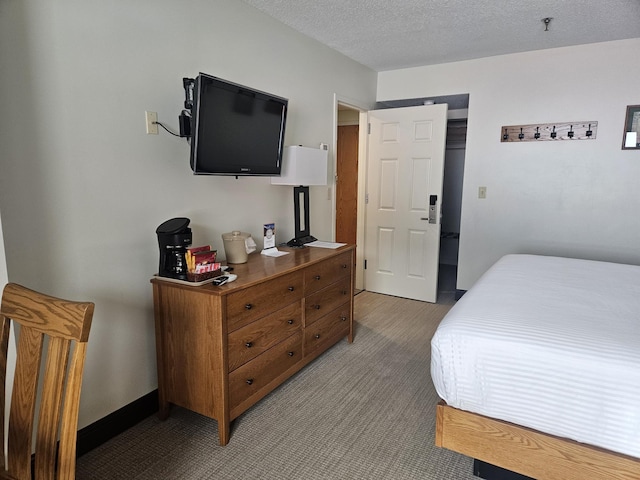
235 130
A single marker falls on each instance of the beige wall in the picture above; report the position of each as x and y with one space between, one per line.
570 198
83 187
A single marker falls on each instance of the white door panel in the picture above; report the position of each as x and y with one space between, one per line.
405 168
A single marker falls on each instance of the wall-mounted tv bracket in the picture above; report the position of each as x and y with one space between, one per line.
184 119
188 84
549 131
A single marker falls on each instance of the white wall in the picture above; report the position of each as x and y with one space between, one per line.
83 188
569 198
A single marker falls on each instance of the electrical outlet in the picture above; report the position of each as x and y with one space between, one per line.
152 127
482 192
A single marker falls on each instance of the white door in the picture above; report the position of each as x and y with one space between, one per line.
404 179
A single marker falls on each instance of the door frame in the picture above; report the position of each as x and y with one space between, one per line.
363 108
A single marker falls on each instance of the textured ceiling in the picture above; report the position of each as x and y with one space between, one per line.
392 34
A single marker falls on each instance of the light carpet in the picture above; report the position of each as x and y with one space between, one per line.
361 411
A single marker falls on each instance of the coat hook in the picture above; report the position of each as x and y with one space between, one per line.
537 134
521 135
506 135
553 133
589 132
571 133
546 21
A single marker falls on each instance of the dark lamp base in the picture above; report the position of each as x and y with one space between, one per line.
301 241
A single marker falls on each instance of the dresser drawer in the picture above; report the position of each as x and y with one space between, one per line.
317 277
247 305
259 372
327 330
251 340
326 300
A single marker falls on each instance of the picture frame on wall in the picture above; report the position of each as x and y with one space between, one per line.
631 139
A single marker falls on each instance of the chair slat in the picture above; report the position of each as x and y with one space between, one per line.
23 401
49 418
5 328
69 429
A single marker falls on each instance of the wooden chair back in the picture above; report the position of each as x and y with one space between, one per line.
57 331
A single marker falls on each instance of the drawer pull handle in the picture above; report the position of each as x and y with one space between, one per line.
290 322
343 318
291 289
317 307
249 381
317 277
248 344
344 265
290 354
248 306
344 292
317 336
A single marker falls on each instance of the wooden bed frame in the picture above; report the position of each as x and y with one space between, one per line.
526 451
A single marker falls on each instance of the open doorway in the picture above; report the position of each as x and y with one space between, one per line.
452 204
347 174
349 144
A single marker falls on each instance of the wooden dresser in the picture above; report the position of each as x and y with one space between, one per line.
221 349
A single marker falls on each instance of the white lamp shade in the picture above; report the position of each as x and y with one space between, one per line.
302 166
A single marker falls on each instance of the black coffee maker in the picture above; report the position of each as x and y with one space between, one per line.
174 236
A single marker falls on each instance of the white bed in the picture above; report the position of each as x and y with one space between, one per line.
548 343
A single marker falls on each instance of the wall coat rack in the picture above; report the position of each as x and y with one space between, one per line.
549 131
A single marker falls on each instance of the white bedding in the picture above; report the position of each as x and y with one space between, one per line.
549 343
